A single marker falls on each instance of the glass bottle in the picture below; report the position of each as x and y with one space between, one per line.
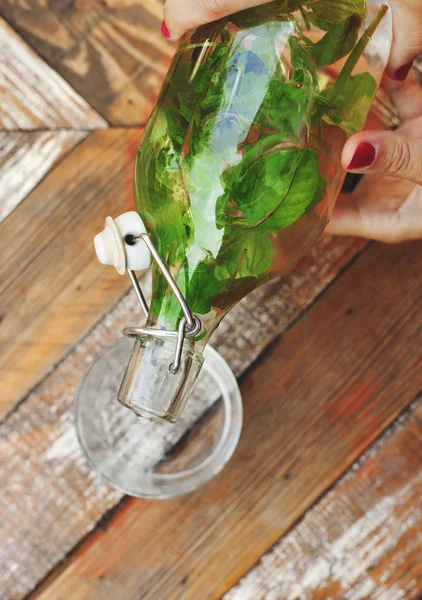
240 164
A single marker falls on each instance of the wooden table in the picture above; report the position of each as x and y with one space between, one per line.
323 496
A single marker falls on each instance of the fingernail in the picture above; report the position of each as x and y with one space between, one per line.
165 31
403 72
363 157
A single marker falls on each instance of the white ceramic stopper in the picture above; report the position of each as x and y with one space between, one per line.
112 249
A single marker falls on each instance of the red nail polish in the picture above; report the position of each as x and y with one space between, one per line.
363 157
164 30
403 72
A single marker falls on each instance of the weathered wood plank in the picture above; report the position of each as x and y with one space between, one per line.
112 53
363 541
315 401
33 95
52 287
50 492
24 160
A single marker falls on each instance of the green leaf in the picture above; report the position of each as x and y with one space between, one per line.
295 96
303 63
337 42
254 194
197 92
244 255
200 289
352 105
305 76
187 103
176 125
319 194
305 191
352 60
330 12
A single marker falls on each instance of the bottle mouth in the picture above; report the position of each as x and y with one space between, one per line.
150 388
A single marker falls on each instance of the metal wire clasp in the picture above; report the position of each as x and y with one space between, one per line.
190 325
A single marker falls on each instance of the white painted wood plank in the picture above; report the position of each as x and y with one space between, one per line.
363 541
24 160
33 95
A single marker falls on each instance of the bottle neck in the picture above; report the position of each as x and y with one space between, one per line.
165 312
150 387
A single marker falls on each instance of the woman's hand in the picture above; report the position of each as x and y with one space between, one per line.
387 204
182 15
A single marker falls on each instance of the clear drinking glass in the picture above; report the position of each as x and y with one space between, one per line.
159 459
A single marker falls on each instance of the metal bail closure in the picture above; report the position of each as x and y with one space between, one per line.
118 245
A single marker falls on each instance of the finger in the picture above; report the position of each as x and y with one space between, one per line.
182 15
407 37
407 96
347 220
390 226
390 153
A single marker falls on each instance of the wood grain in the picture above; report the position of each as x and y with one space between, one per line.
53 291
111 52
52 287
34 96
363 540
50 492
314 402
24 160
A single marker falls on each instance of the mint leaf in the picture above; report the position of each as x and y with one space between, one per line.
319 194
244 255
176 125
305 76
337 42
351 107
306 190
200 288
303 63
187 103
329 12
296 95
352 60
274 192
254 194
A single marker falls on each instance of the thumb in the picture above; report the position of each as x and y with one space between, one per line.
386 152
182 15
